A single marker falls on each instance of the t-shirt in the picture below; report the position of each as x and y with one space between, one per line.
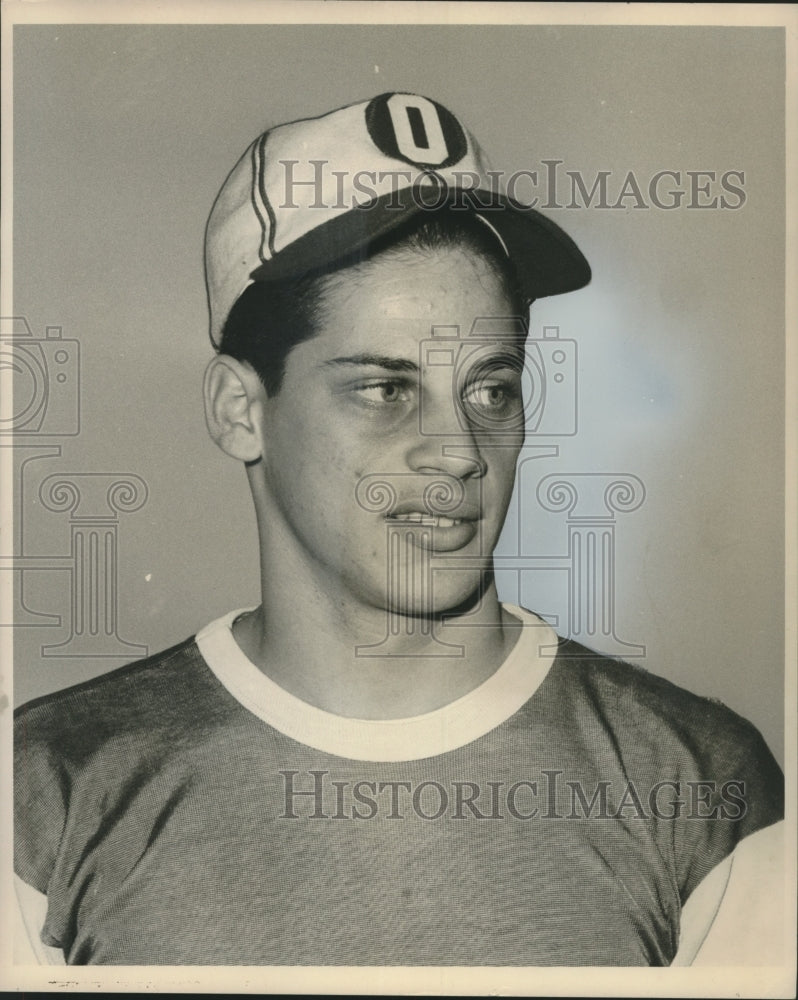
185 810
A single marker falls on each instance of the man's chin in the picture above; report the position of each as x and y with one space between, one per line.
454 593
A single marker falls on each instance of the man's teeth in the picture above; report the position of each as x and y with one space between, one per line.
427 520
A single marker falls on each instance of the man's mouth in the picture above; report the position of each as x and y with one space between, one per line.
423 513
427 520
434 531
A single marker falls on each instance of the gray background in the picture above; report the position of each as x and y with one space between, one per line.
122 136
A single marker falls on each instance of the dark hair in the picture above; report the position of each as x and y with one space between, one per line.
270 318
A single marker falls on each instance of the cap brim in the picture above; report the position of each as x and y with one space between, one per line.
546 259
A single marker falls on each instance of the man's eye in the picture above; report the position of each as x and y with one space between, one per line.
500 399
385 391
489 396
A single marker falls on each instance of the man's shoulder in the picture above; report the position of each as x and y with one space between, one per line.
644 712
95 739
621 684
119 702
578 671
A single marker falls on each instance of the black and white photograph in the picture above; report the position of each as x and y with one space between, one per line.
398 498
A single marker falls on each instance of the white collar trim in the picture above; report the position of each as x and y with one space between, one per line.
437 732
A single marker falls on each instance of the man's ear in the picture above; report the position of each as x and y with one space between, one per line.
234 397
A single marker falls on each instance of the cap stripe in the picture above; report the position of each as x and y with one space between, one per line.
254 196
261 200
264 195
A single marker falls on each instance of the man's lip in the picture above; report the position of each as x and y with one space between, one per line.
436 521
436 532
465 511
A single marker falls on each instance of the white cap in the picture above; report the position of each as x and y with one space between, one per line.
310 192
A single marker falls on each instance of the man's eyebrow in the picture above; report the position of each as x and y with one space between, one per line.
375 361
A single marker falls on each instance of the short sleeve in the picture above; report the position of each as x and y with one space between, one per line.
41 789
735 789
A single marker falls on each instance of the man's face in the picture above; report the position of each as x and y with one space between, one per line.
390 454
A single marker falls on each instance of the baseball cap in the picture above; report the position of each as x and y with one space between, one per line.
308 193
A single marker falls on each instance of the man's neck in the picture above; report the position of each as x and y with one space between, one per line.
341 655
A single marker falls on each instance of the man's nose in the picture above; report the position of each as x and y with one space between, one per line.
445 443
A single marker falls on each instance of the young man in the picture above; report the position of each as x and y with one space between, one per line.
381 764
